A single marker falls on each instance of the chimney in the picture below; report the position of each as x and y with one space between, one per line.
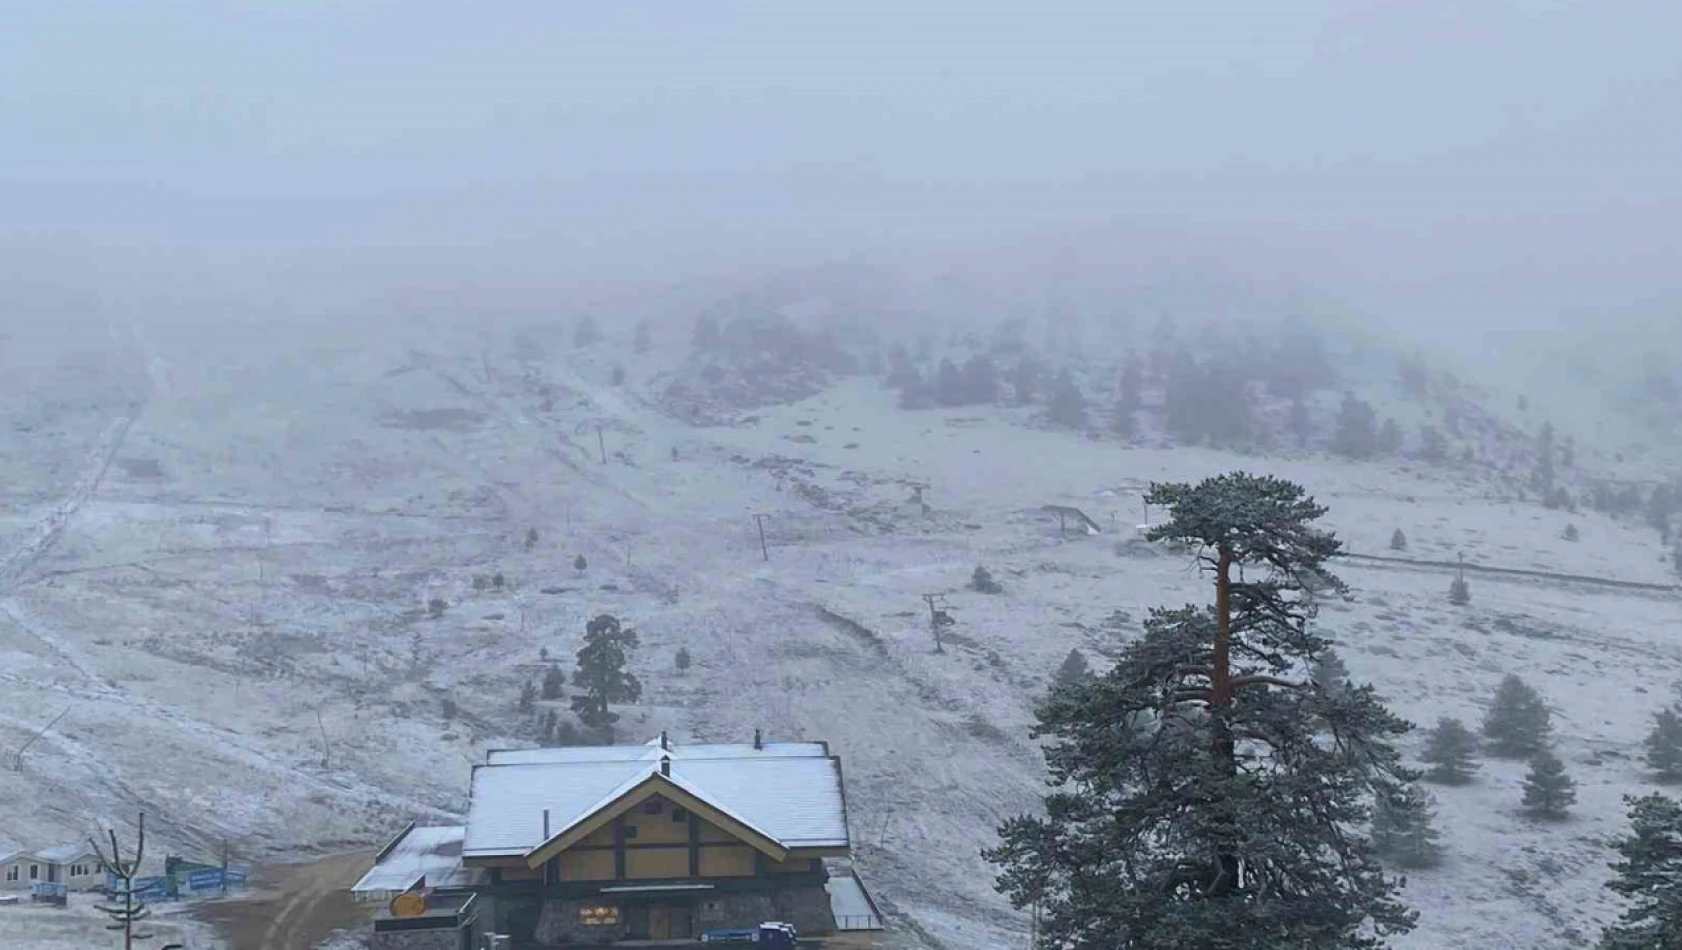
665 745
545 824
666 766
758 741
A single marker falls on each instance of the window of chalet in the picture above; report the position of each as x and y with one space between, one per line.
680 814
598 916
12 873
630 831
652 808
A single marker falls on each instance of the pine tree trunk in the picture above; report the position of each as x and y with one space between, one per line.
1220 700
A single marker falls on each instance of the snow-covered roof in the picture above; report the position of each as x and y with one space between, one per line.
651 752
794 798
431 852
66 852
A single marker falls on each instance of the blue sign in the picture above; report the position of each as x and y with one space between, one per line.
208 880
151 888
236 877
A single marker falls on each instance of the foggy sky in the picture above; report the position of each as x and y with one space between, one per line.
1507 162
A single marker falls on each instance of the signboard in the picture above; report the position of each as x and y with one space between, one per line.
206 880
601 916
151 888
48 892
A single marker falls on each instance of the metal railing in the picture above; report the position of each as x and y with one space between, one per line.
858 922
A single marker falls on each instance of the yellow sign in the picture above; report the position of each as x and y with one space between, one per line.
408 904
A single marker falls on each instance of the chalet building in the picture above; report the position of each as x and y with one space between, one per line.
598 845
73 865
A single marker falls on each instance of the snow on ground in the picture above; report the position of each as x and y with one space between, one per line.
78 927
236 614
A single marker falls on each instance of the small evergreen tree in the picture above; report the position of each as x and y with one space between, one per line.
1448 751
554 682
1548 791
1543 476
982 582
585 332
707 332
1571 533
579 564
436 606
1389 438
528 696
1432 446
1025 379
1664 746
1067 407
1459 592
682 660
499 581
1356 435
449 709
1073 672
1648 874
1518 724
601 673
1404 829
1299 423
1329 672
1398 540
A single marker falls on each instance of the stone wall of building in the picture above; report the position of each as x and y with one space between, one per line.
805 905
451 939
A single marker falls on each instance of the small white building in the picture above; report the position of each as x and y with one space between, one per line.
76 866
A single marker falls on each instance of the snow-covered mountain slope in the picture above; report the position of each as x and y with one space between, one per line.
235 610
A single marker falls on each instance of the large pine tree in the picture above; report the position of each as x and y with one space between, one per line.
1204 794
601 673
1448 751
1649 875
1403 827
1518 725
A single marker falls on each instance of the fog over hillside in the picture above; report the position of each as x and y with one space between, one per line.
355 356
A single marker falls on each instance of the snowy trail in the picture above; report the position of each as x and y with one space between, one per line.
48 531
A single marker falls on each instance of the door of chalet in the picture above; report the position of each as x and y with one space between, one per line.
659 923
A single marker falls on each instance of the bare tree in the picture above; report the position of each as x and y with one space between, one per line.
132 910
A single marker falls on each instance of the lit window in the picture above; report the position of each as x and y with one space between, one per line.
598 916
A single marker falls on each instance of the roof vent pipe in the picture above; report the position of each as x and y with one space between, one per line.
665 744
758 741
545 824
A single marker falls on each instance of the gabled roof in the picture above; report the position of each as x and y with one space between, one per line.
651 752
66 853
788 794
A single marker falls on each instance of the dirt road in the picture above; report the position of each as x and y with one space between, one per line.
292 906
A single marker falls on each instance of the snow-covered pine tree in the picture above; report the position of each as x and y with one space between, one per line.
1398 540
1153 836
1329 672
1074 671
1066 406
1548 791
1649 875
1517 725
1449 748
601 673
1664 746
1459 592
1403 829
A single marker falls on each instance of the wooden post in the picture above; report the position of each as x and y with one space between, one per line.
763 550
934 622
601 441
